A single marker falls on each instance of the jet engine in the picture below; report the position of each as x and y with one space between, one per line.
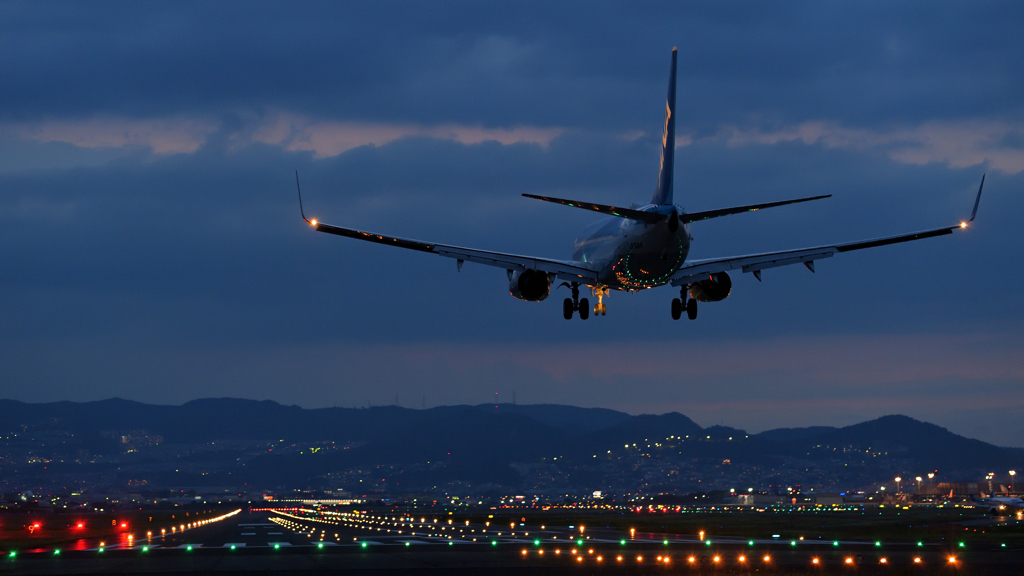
714 289
529 285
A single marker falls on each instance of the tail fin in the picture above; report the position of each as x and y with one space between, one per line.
663 193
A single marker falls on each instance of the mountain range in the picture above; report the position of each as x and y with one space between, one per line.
235 442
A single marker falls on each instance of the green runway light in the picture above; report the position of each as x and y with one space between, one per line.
189 548
878 543
56 551
145 548
13 554
450 543
665 542
706 542
364 544
1003 545
232 546
750 543
623 542
920 543
961 544
536 542
835 543
792 542
579 542
321 545
494 542
405 544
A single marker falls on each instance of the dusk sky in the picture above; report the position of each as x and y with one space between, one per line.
151 246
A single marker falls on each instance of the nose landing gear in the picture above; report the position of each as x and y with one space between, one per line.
574 304
684 303
600 309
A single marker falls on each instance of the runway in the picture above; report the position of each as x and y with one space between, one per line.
297 542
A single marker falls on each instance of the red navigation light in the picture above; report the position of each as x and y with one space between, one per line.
124 524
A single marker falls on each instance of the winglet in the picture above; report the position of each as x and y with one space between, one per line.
299 190
977 200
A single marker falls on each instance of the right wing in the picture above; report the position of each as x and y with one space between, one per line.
565 270
698 270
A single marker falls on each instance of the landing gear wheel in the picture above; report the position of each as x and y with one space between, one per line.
567 308
677 308
691 309
584 309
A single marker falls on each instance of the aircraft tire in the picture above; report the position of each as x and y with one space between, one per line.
677 309
584 309
567 308
691 309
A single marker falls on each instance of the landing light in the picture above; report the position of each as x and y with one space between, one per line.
963 224
313 222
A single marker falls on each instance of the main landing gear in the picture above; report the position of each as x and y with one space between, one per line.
570 305
678 306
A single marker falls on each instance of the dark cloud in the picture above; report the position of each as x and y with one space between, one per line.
534 63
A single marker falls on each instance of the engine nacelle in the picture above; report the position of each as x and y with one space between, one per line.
529 285
714 289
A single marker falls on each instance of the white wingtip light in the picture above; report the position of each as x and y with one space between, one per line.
313 222
962 224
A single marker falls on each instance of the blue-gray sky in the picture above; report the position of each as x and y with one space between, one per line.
151 247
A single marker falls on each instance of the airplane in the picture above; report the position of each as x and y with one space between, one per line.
997 504
637 248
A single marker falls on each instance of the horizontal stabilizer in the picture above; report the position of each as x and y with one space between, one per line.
649 217
697 216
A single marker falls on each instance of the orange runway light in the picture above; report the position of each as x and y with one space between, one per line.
717 559
767 558
815 561
619 558
849 560
917 560
639 558
691 559
743 558
579 558
883 561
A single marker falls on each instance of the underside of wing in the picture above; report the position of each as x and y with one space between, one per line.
697 270
566 270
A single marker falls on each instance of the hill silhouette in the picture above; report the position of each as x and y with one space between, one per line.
228 441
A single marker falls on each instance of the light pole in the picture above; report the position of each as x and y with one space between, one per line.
989 478
898 484
1012 474
918 478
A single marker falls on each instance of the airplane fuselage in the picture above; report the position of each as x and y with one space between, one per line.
633 255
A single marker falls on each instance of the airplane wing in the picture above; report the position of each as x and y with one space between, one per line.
565 270
697 270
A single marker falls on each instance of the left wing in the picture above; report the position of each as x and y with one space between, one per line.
565 270
698 270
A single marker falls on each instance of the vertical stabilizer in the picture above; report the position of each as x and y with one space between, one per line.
663 193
